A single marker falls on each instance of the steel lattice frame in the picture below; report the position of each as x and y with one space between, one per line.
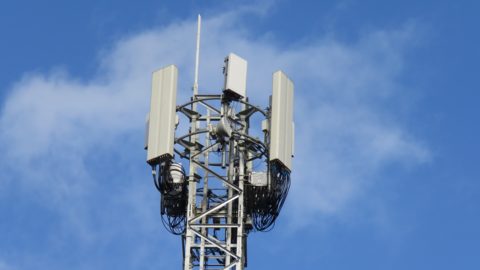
205 222
251 200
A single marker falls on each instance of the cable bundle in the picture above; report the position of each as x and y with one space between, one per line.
173 197
266 203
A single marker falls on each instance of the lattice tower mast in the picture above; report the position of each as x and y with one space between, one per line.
215 213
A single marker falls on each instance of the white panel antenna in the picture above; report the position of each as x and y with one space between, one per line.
161 130
235 76
281 138
289 124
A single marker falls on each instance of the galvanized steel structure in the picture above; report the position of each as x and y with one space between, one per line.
221 198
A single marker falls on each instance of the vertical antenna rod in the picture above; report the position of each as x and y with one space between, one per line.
195 85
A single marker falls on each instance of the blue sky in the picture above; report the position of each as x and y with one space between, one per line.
386 171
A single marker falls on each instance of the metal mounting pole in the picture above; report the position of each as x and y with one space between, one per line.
192 190
195 85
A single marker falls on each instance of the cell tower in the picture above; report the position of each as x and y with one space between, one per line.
215 213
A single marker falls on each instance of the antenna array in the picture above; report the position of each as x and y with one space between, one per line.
215 213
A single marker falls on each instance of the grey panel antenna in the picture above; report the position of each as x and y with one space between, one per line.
162 114
289 124
281 134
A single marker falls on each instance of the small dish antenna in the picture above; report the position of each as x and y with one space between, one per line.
223 128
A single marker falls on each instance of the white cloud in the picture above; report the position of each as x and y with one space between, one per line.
53 125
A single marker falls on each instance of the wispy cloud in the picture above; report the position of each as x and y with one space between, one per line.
77 145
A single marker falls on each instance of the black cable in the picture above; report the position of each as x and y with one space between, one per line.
267 203
173 200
